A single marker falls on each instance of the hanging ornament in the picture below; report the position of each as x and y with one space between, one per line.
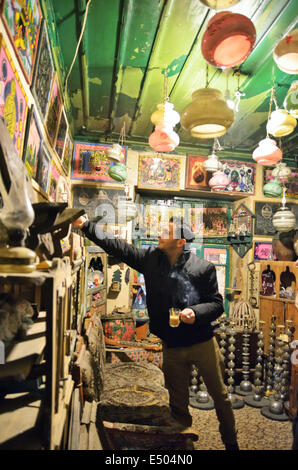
280 123
291 100
219 4
272 188
285 53
118 172
212 163
219 181
281 171
164 138
284 219
115 152
267 153
228 39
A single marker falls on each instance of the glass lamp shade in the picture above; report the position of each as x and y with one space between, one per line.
165 114
272 189
212 163
114 153
291 100
163 139
285 53
267 153
281 171
284 219
118 172
219 181
281 123
208 115
219 4
228 39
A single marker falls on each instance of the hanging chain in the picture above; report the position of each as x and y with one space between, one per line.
166 97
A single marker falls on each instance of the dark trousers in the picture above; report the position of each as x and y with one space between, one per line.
208 359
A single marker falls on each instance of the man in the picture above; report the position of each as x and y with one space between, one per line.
175 277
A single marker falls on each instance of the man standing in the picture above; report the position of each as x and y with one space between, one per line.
177 278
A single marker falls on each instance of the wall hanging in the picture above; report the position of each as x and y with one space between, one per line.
13 99
90 162
44 168
263 251
240 230
33 143
196 176
67 153
263 218
241 176
285 53
291 100
159 172
22 21
61 134
228 39
54 111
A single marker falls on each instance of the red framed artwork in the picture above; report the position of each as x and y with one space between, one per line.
196 177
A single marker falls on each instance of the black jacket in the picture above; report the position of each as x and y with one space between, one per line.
191 282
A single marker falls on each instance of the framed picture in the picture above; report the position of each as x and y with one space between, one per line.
22 20
215 255
33 143
99 203
215 221
54 177
44 168
67 153
264 212
161 173
196 177
83 152
61 135
241 176
13 99
263 251
241 221
43 73
54 111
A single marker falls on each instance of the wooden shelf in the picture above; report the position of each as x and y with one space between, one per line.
94 290
277 299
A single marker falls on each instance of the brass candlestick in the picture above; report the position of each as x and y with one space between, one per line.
256 399
235 401
245 387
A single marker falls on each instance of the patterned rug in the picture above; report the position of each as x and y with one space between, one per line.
255 432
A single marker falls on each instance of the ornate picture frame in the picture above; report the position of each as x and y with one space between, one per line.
67 153
32 145
196 177
44 168
61 134
263 251
241 176
159 172
43 73
54 111
22 21
13 98
54 177
83 151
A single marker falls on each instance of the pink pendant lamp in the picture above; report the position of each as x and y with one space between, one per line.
219 181
228 39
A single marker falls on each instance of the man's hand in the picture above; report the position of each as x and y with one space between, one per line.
187 315
80 222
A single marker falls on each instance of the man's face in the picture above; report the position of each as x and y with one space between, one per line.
166 240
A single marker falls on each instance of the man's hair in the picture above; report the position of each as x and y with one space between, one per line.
182 229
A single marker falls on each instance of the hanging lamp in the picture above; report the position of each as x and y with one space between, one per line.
164 138
284 219
285 53
228 39
115 152
212 163
281 171
219 181
272 188
208 115
127 209
267 153
219 4
291 100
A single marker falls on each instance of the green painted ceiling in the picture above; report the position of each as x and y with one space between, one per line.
118 75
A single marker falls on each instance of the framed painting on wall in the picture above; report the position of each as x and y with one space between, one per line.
264 212
54 111
22 20
196 177
62 129
215 221
241 176
33 143
263 251
67 153
83 152
99 203
44 168
54 177
43 73
13 99
161 173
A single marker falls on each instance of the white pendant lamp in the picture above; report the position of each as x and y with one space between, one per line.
267 153
284 219
212 163
281 171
